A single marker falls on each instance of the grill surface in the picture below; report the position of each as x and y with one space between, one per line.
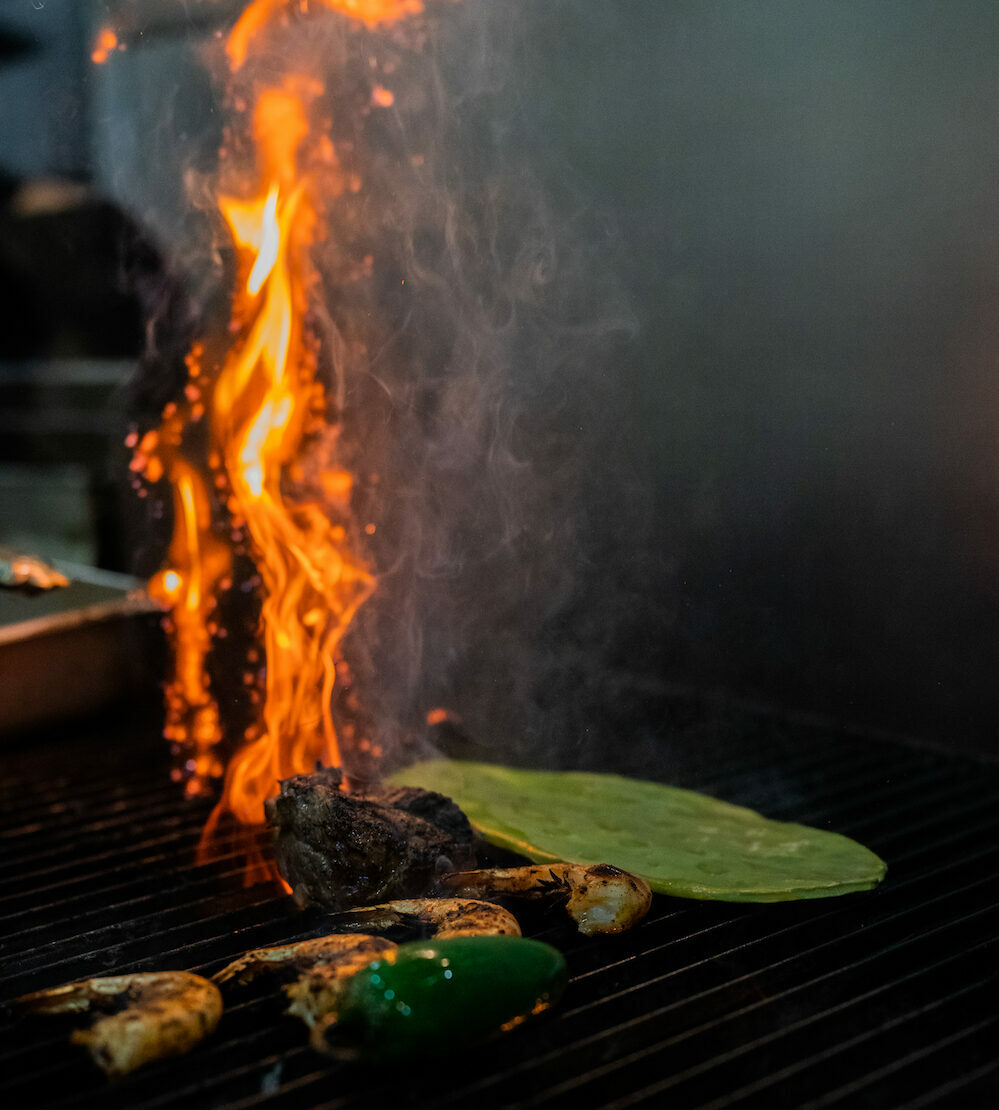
886 999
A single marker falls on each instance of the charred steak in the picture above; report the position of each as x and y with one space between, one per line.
339 850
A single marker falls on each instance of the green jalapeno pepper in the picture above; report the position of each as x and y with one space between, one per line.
439 996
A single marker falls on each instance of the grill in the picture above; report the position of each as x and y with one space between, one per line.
885 1000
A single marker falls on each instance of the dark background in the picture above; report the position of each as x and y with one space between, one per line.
808 192
800 199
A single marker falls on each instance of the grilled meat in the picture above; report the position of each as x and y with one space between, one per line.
338 849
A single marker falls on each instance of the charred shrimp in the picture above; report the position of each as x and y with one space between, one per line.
304 955
441 917
599 898
153 1015
323 965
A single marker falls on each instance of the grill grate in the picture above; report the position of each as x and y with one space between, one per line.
881 1000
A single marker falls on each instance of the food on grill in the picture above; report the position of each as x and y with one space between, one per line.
442 917
599 898
317 990
338 849
441 996
321 966
681 842
338 951
325 966
143 1017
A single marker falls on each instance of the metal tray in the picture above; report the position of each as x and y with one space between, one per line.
73 651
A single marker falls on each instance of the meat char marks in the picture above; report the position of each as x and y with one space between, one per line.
339 850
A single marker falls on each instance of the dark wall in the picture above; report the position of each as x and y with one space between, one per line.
808 194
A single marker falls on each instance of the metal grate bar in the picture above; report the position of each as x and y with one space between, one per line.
130 859
653 1092
75 896
710 1066
765 1085
946 1091
918 1056
854 812
50 965
124 851
244 936
790 786
25 804
99 831
802 768
159 899
842 970
722 1004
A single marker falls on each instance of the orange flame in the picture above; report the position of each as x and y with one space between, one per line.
197 564
261 12
263 405
104 44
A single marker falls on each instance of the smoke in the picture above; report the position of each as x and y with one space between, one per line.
469 319
480 398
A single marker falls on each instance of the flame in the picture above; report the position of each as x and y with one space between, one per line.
265 393
248 420
197 564
262 12
104 44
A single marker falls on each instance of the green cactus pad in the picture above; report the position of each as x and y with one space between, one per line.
681 842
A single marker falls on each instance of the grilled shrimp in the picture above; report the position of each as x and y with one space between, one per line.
445 917
324 966
599 898
304 955
152 1015
318 989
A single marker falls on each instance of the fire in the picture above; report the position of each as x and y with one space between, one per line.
197 565
261 12
105 43
233 448
264 400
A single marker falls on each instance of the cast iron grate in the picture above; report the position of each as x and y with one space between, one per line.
878 1000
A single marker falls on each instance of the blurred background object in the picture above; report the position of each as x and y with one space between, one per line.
28 573
85 269
72 264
